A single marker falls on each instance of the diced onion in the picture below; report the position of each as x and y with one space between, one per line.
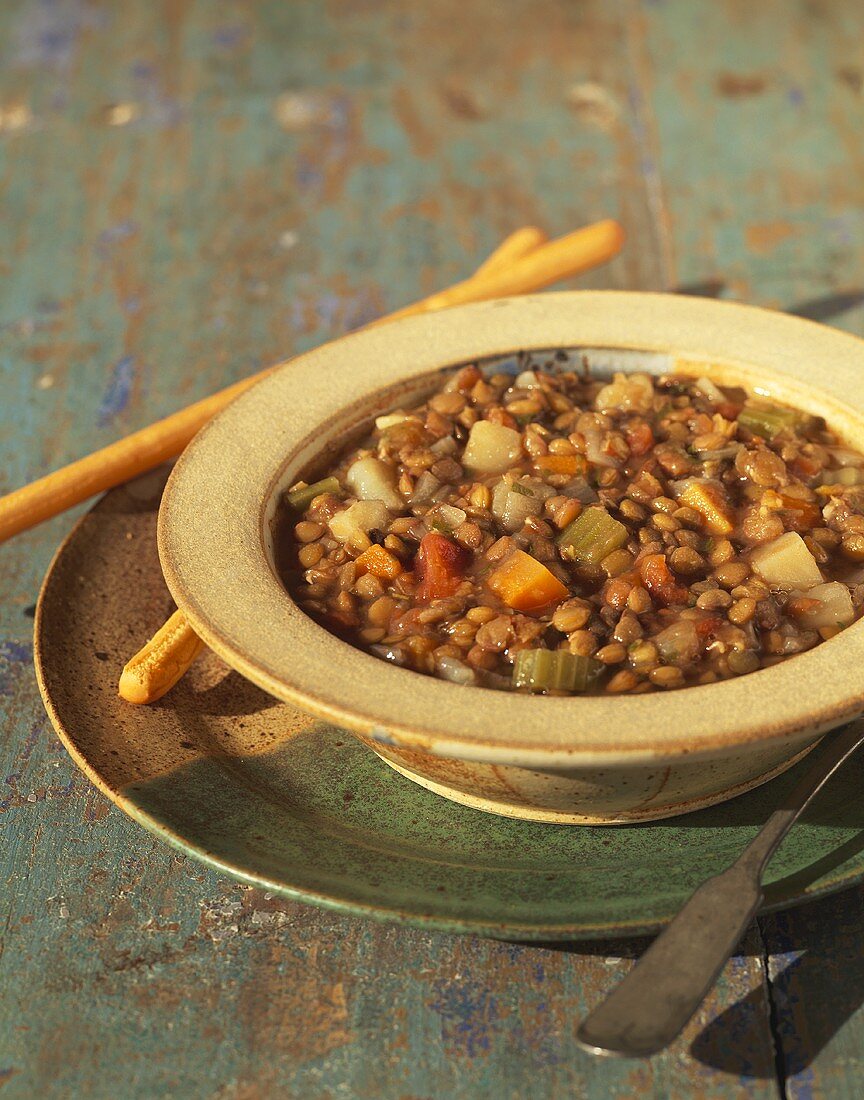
446 445
594 449
512 506
834 606
389 420
634 392
679 643
454 670
845 458
712 392
446 515
426 486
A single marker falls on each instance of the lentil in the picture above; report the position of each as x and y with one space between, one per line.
569 491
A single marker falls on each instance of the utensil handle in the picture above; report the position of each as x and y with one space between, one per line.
653 1003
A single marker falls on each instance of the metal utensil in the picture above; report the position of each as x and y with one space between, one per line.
650 1007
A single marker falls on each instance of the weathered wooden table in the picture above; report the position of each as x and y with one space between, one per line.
191 191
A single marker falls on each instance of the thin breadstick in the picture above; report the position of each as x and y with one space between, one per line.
568 255
512 248
143 450
559 259
157 667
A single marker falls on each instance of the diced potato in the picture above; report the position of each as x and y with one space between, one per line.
491 448
353 525
787 563
833 606
371 479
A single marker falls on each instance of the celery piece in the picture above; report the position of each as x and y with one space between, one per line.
300 499
591 537
555 670
768 420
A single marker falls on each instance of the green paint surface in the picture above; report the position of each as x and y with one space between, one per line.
191 191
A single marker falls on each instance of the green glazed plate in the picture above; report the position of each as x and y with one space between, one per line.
261 791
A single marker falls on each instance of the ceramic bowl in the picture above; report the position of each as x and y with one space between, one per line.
588 760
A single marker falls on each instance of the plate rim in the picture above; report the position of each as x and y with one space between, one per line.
509 930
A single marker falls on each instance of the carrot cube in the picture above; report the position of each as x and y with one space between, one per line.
379 562
524 583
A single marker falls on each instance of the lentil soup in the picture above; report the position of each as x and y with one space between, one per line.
551 531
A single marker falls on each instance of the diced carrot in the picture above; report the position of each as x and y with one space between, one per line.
709 502
806 513
440 566
524 583
639 436
379 562
660 581
561 464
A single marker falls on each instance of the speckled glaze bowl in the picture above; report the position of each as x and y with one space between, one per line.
590 760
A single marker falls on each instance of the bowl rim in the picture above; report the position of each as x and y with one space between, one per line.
214 557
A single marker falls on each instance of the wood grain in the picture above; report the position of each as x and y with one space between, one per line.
195 191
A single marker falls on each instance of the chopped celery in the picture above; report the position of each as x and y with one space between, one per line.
768 420
300 499
555 670
591 537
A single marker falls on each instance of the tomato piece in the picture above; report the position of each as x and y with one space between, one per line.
660 581
440 566
639 437
706 627
804 466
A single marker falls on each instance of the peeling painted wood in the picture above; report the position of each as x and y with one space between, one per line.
193 191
